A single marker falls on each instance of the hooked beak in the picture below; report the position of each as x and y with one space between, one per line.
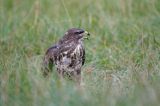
86 35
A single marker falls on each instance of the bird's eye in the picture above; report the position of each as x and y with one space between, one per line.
79 32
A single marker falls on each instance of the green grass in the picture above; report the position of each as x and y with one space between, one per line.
122 56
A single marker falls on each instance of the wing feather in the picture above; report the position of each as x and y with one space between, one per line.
49 59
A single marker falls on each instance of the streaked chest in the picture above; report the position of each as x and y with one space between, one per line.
70 57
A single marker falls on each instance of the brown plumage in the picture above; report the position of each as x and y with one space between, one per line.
68 55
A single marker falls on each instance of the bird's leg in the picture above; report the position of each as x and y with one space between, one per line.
60 74
77 77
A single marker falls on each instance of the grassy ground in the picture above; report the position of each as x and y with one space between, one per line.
122 56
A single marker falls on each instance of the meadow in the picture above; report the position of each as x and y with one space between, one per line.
122 65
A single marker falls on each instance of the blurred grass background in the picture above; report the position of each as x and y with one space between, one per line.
122 56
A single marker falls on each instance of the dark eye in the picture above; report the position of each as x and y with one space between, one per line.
79 32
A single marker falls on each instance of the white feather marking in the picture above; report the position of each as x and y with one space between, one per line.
77 49
65 52
66 33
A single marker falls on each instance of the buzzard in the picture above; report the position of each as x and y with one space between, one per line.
68 55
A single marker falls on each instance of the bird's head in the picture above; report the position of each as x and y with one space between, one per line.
76 33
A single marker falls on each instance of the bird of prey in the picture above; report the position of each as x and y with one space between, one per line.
68 55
